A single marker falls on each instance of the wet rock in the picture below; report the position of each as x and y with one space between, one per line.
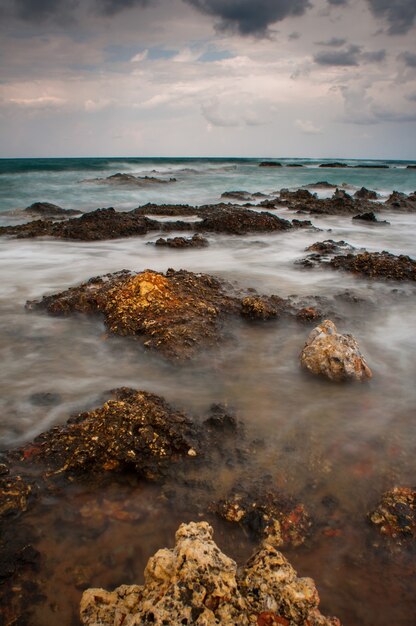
130 180
377 265
237 195
266 514
221 419
399 200
196 241
270 164
134 430
47 210
263 307
322 251
304 224
240 221
195 583
165 209
365 194
335 356
395 515
299 194
373 166
14 494
308 314
294 165
411 167
371 218
341 193
45 398
334 164
322 184
177 313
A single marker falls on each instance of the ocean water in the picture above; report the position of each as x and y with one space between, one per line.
347 442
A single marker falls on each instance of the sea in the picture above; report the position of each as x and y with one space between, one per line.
336 448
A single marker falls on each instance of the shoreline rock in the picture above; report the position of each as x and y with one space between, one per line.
335 356
395 515
195 583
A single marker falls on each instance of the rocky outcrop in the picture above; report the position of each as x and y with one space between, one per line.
335 356
177 313
270 164
130 180
370 218
195 583
399 200
395 515
196 241
239 221
133 430
334 164
46 210
365 194
264 307
377 265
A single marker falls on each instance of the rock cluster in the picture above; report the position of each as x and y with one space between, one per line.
395 515
196 241
335 356
195 583
377 265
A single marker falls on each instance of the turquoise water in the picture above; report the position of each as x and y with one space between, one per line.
198 181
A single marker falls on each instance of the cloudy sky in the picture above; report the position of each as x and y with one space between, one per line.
324 78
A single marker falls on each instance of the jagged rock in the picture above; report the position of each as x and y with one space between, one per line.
196 241
328 353
133 430
322 251
377 265
399 200
240 221
50 211
365 194
371 218
322 184
299 194
176 313
341 194
196 584
395 515
237 195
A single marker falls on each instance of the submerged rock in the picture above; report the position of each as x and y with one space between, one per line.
266 514
335 356
395 515
196 241
195 583
14 494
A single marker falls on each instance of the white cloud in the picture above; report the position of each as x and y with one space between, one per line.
307 127
140 56
41 102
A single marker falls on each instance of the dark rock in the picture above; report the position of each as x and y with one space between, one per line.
130 180
399 200
370 217
50 211
372 166
334 164
329 246
395 515
299 194
45 398
165 209
365 194
270 164
14 494
221 419
263 307
294 165
265 513
322 184
240 221
308 314
341 194
411 167
197 241
237 195
176 314
377 265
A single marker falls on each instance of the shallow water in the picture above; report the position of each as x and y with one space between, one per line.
315 439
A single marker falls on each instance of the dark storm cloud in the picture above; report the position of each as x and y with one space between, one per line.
335 42
111 7
409 58
400 14
248 17
337 2
346 57
374 57
62 11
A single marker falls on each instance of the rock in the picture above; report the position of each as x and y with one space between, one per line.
195 583
196 241
237 195
266 514
372 166
322 184
14 494
130 180
411 167
294 165
399 200
308 314
270 164
299 194
334 164
165 209
365 194
395 515
177 313
134 430
377 265
341 194
371 218
240 221
263 307
328 353
50 211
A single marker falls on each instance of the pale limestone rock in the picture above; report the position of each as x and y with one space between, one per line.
328 353
196 584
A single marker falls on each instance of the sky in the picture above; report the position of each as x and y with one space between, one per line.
266 78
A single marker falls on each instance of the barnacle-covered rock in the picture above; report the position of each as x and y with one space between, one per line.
14 493
328 353
263 307
395 515
377 265
196 241
135 430
195 583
